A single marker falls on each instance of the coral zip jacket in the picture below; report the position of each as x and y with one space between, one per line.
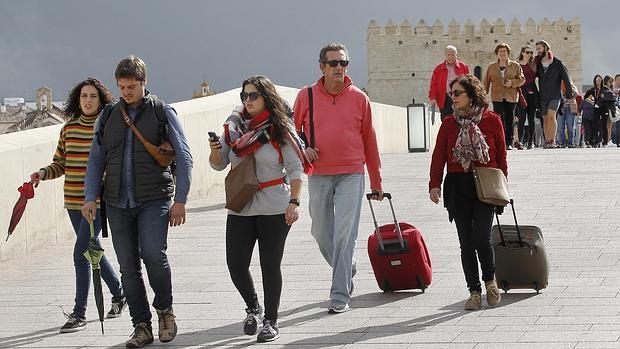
343 131
437 90
493 130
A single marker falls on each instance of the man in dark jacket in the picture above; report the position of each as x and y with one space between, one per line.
550 72
139 193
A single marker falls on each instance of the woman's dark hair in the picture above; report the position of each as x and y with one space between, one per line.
523 49
594 82
72 106
606 80
531 62
274 103
474 89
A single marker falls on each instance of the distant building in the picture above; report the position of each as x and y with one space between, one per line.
401 58
204 91
17 115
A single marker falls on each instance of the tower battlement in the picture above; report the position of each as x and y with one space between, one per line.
545 26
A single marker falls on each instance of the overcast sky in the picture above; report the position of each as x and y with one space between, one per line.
58 43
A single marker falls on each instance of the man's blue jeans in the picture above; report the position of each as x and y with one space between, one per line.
83 267
335 204
566 123
141 233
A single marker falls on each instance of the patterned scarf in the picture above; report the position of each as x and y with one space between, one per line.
249 134
470 144
246 135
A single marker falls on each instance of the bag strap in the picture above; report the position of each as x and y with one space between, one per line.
138 134
311 114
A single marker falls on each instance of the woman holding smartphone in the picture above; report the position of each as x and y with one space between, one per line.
261 129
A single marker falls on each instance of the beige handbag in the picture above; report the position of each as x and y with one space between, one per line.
491 186
241 184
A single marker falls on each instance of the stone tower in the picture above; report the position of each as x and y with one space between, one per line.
401 58
44 98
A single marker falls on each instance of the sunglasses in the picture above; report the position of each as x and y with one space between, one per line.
334 63
529 52
456 93
252 96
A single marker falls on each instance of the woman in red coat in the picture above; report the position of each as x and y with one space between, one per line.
472 137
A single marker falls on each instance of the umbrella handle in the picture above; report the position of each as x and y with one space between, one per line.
91 223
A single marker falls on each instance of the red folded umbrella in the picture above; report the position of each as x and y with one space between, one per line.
26 191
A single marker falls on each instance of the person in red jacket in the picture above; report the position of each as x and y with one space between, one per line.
444 73
472 137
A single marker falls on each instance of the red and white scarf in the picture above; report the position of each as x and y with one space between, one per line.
251 133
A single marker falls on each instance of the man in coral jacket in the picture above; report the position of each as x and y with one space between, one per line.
344 140
443 74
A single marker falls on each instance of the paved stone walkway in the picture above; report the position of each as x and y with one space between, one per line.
573 195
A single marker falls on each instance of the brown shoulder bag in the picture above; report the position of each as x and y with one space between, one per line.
241 183
491 186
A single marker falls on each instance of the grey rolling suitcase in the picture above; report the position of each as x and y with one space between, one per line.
520 257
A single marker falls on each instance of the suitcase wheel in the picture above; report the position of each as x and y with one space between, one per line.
504 285
386 287
421 284
536 286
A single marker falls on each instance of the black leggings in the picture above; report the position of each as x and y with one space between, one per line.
473 220
507 112
241 235
527 136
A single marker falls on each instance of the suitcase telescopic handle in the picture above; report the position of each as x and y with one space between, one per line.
499 226
374 219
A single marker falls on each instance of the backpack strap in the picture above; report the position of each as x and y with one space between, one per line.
311 112
162 120
162 125
105 115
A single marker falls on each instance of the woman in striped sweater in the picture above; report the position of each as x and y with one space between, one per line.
83 105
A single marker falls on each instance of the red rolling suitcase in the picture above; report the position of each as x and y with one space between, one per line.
398 254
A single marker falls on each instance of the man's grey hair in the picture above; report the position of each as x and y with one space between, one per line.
334 46
451 48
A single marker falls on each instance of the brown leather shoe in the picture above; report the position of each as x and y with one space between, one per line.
167 325
493 294
474 302
142 335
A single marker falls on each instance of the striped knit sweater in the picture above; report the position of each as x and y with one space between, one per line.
71 157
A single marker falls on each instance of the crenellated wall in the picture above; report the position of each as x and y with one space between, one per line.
45 221
401 58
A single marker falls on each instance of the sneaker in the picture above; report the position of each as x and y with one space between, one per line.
141 336
336 307
530 146
493 294
269 332
74 323
250 324
518 145
474 302
167 325
118 304
509 147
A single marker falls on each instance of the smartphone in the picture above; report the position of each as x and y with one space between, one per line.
213 136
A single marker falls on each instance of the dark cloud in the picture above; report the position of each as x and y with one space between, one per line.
56 43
